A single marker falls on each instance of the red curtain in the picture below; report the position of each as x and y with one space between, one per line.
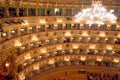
2 77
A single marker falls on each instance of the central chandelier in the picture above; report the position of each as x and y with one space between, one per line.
96 14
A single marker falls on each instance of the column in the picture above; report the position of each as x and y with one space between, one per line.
119 76
26 12
119 72
73 11
45 11
118 14
36 11
19 31
64 11
17 11
7 11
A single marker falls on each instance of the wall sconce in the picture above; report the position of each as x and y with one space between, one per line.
109 47
17 43
51 61
92 46
76 20
36 67
96 51
30 28
106 38
26 23
64 24
108 25
84 34
66 58
104 51
56 10
81 24
113 22
42 21
71 51
43 50
4 34
87 50
118 26
27 56
59 20
47 40
83 58
59 47
33 60
25 64
21 76
99 58
75 46
71 38
113 52
22 30
118 35
72 24
13 31
115 39
99 25
63 51
97 38
102 34
67 34
90 24
23 47
7 64
34 38
89 38
55 39
116 60
55 25
38 26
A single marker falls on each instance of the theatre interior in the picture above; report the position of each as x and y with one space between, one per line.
59 39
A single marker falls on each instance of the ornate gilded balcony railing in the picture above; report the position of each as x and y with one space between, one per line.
78 60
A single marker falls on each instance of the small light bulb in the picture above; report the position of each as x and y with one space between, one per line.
7 64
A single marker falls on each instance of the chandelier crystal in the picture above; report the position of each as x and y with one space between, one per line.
96 14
